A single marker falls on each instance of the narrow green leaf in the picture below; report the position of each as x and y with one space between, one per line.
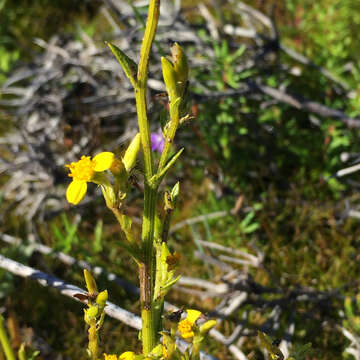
175 191
129 66
156 179
251 228
246 221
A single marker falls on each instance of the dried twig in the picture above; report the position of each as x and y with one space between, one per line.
301 103
66 289
197 219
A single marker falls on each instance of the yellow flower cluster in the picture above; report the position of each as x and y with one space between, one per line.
110 357
127 355
84 171
186 326
92 170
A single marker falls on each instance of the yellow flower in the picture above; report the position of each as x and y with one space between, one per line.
84 171
127 355
186 326
110 357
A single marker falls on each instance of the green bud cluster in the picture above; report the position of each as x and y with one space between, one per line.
94 314
175 73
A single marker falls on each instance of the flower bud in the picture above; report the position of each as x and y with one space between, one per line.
131 153
170 78
181 68
117 167
102 298
90 283
175 191
92 312
207 326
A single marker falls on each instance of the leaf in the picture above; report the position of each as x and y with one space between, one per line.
251 228
156 179
175 191
169 284
244 223
129 66
65 241
239 52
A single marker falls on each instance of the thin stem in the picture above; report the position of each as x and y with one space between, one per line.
157 300
147 270
93 340
170 134
150 193
195 353
144 128
125 232
21 352
5 343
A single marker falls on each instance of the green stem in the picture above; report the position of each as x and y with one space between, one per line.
195 352
149 334
125 231
93 341
157 303
140 91
170 133
150 193
5 341
21 352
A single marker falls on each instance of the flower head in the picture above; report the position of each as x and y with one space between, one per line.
110 357
84 171
186 326
127 355
157 141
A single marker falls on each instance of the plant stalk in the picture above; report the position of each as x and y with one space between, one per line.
170 134
150 193
93 341
5 343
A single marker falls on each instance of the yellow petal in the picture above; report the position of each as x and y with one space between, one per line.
192 315
127 355
103 161
185 328
76 191
110 357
